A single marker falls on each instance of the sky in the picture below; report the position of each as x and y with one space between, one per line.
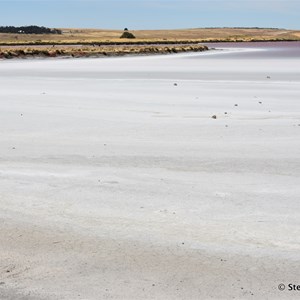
151 14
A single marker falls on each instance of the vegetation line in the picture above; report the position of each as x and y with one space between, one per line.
33 29
91 51
143 42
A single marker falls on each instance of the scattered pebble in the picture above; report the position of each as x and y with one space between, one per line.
260 102
268 77
214 116
13 148
175 84
225 112
236 105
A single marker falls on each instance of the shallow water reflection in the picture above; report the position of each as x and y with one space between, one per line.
264 50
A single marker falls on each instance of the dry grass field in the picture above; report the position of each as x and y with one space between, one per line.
89 36
97 42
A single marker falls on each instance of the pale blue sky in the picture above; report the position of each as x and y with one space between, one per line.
151 14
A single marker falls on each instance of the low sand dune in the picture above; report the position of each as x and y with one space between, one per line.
117 183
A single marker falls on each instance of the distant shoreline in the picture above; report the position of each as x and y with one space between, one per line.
76 42
141 42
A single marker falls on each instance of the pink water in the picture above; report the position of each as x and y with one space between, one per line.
265 50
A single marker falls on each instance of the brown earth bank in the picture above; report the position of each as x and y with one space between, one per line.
94 51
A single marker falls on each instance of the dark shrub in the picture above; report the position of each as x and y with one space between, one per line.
127 35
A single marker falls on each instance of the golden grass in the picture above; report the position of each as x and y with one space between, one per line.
90 36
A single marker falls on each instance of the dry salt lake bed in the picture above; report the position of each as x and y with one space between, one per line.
116 181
